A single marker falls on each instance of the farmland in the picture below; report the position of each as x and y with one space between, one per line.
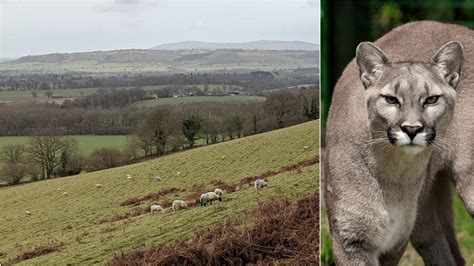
86 144
91 225
194 99
142 61
26 95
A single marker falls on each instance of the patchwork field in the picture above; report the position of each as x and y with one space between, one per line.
140 61
90 225
8 96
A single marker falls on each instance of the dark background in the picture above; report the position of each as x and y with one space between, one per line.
345 23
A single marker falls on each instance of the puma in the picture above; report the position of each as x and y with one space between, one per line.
401 130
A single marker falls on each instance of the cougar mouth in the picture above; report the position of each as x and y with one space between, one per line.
423 139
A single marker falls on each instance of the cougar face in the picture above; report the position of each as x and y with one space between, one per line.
410 104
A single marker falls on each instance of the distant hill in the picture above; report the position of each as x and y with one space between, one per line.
256 45
137 60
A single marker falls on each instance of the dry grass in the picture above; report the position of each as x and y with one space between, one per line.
282 233
135 201
37 251
227 187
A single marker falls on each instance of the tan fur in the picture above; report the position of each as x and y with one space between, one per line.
378 199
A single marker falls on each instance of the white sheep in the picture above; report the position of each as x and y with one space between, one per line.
219 192
98 185
65 193
223 156
306 147
59 189
179 204
209 197
157 178
155 208
28 213
259 184
129 177
178 173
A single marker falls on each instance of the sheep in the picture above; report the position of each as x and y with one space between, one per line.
129 177
59 189
219 192
155 208
28 213
209 197
179 204
157 178
306 147
259 184
65 193
223 156
178 173
98 185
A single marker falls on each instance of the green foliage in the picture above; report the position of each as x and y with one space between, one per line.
327 257
191 127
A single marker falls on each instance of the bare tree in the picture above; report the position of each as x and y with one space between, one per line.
13 172
46 151
34 93
281 105
160 123
12 153
143 137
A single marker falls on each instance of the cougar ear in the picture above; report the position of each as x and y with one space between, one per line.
449 59
371 61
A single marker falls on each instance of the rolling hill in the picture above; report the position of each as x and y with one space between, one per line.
255 45
166 61
91 225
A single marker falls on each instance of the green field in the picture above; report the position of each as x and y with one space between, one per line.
73 93
464 231
62 93
86 143
73 221
195 99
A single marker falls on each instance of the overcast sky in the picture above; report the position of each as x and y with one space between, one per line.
40 26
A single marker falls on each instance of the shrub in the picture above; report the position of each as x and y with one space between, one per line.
104 158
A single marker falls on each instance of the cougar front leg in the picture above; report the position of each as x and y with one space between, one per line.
433 235
354 228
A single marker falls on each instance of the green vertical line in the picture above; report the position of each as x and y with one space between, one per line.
324 62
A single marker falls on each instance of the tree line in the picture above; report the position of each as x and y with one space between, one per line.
153 131
249 81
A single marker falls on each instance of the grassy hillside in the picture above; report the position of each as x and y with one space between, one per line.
90 225
134 61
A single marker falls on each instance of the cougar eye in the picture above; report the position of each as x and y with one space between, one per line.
432 99
390 99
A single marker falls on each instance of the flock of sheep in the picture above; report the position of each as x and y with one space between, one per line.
205 198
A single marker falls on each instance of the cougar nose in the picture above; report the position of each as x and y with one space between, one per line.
412 130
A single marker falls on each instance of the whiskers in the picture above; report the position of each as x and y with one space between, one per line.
442 143
379 143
